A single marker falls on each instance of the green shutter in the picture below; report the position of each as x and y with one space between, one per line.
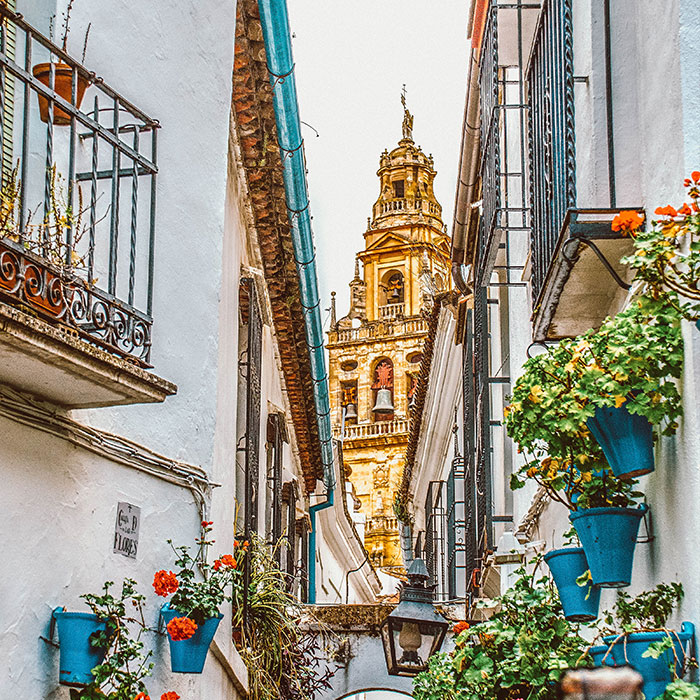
8 112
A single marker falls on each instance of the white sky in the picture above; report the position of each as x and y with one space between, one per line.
351 61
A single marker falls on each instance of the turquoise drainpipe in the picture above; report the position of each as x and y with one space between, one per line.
278 49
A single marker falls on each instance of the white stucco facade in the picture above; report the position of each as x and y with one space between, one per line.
178 461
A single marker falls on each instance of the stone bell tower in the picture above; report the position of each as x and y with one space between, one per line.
375 350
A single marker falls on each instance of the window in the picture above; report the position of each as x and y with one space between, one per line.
398 189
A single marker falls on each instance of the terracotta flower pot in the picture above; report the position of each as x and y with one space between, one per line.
63 75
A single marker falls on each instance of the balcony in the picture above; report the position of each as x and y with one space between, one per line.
503 238
378 330
372 431
389 311
77 228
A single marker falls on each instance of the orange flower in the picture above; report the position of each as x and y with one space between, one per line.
627 221
205 523
228 560
164 583
685 210
666 211
696 176
172 695
142 696
180 628
217 564
460 627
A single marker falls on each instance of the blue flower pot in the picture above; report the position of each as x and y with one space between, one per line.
656 673
580 603
608 537
626 440
598 654
77 656
189 655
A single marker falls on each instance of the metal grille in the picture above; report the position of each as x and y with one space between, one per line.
275 439
551 133
456 530
482 418
253 367
436 537
77 247
469 402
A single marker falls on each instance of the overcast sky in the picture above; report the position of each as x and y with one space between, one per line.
351 61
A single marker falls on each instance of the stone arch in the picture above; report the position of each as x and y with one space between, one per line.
391 287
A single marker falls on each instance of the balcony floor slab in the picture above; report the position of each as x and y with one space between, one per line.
55 365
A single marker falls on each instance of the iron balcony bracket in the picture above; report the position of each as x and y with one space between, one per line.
606 263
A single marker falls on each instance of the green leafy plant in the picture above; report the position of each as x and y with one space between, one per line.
646 611
121 675
282 661
681 690
521 651
200 587
667 255
633 359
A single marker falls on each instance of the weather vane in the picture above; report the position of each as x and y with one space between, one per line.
407 126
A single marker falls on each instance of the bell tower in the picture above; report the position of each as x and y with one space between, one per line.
375 350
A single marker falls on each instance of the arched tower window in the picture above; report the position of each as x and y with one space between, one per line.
383 390
391 294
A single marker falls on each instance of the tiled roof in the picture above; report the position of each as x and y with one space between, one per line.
257 131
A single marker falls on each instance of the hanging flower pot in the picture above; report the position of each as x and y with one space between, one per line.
626 440
580 603
62 84
188 654
77 656
608 537
657 674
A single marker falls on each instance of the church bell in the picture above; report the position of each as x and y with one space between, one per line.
383 403
350 411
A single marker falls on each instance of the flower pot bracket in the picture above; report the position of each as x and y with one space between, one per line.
606 264
52 629
648 527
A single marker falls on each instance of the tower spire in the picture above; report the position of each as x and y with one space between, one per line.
407 125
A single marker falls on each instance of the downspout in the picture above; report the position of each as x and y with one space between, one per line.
278 49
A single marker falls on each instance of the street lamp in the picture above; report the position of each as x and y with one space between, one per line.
414 631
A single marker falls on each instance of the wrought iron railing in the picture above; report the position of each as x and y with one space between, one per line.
550 79
77 216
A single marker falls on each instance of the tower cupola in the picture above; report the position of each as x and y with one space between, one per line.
406 177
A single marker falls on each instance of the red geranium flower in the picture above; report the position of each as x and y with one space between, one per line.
217 565
165 583
460 627
228 560
666 211
142 696
171 695
685 210
180 628
627 221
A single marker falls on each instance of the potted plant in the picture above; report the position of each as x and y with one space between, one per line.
193 614
521 651
59 75
547 417
121 664
569 568
635 634
626 370
681 690
667 255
